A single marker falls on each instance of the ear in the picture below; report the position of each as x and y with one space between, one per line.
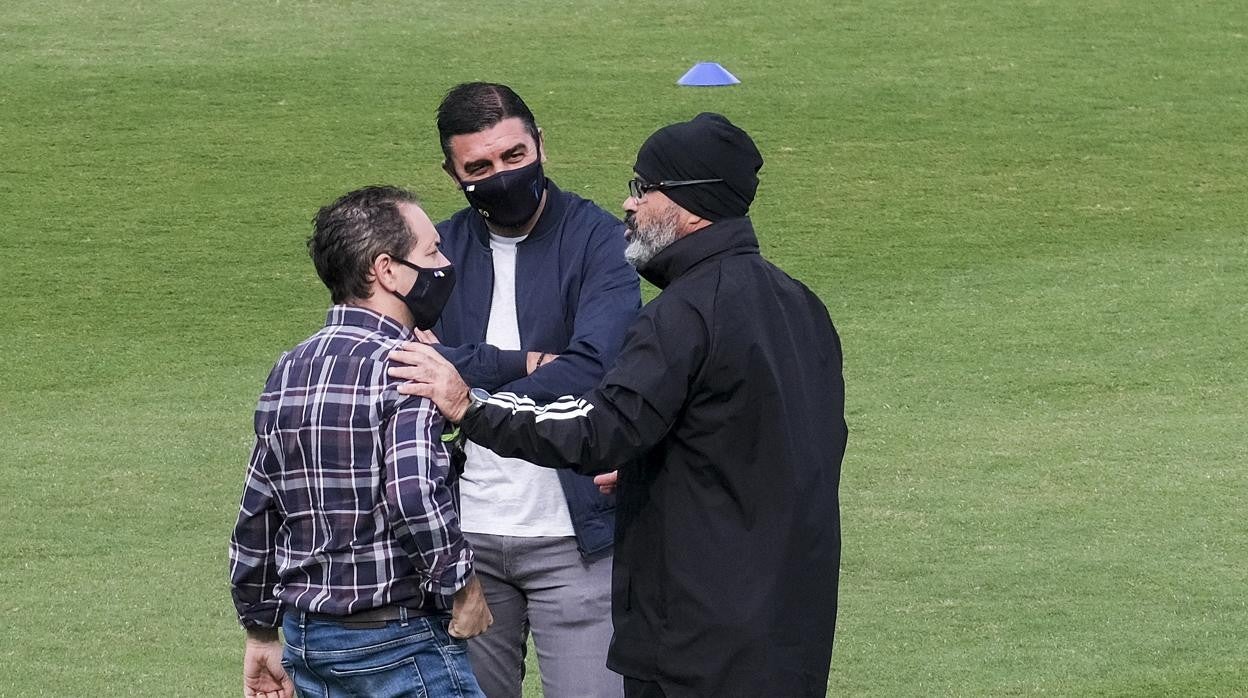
385 273
692 223
541 143
449 169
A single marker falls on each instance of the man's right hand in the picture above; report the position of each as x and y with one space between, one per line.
263 675
470 615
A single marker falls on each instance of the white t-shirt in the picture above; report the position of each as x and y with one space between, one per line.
508 496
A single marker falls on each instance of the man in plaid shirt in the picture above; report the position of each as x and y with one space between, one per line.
348 537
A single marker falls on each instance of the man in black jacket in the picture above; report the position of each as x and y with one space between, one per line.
725 413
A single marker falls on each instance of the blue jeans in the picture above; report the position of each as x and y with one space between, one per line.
413 657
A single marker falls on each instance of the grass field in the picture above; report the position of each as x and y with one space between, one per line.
1028 220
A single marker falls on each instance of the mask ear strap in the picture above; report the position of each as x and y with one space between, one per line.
406 263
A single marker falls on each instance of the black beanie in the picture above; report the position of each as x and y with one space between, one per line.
708 147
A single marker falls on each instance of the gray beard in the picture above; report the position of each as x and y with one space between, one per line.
646 242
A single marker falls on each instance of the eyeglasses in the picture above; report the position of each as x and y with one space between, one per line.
637 187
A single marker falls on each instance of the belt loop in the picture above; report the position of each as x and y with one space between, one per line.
303 635
403 615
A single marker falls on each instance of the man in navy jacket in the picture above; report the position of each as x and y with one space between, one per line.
544 297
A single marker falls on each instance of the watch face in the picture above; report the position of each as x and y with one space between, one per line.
478 395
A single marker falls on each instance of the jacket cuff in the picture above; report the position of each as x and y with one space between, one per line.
512 365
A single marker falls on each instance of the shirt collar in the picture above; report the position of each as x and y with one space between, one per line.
356 316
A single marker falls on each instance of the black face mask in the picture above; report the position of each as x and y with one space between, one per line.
429 294
508 198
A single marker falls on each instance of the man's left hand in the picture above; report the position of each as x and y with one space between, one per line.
263 674
429 375
607 481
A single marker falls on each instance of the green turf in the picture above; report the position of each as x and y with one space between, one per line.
1027 219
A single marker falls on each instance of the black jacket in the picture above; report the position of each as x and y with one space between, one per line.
725 414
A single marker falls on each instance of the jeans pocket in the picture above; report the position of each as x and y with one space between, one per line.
395 679
449 641
306 684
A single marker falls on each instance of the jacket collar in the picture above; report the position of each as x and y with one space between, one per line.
552 213
731 236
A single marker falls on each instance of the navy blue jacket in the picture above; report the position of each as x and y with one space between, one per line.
576 295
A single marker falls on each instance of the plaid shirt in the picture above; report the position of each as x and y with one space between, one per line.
348 503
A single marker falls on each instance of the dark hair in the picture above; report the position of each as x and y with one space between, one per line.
348 234
475 106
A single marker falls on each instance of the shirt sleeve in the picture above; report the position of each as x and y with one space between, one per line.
630 413
607 304
253 565
419 501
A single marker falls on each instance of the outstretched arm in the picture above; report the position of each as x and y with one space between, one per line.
624 417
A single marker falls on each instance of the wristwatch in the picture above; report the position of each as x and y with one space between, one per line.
476 398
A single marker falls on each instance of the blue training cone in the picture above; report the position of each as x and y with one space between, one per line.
707 75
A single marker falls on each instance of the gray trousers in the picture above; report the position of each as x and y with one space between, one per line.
544 586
